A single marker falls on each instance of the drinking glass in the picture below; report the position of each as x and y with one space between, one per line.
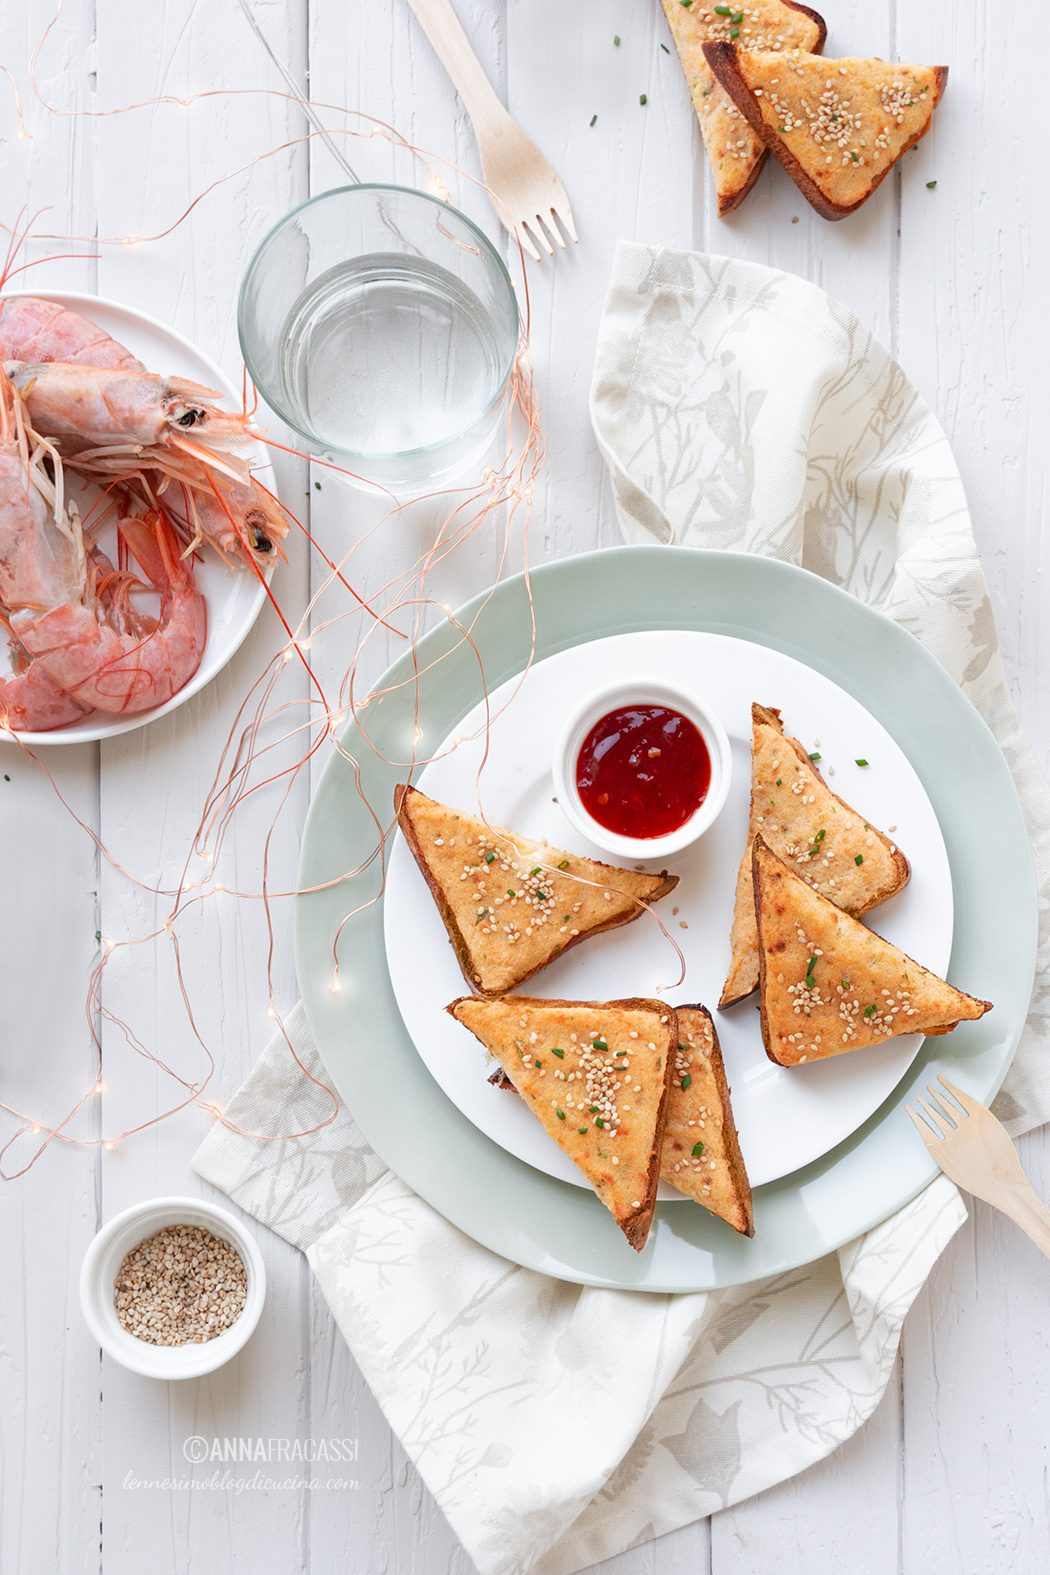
381 325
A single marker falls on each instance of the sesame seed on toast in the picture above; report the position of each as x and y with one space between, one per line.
828 984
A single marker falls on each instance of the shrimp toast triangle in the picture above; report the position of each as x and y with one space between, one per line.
837 126
512 904
828 984
736 153
699 1118
701 1152
833 847
597 1075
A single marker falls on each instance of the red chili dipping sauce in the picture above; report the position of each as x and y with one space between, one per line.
643 770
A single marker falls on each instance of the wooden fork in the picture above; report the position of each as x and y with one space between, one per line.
974 1149
528 196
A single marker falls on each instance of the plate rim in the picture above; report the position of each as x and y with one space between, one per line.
98 733
535 1239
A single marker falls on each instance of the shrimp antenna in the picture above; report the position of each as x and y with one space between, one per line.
20 235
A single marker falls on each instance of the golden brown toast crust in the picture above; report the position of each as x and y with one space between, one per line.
702 1112
486 972
856 889
864 990
727 61
505 1027
735 153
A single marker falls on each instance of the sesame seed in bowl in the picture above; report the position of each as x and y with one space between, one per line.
173 1288
182 1285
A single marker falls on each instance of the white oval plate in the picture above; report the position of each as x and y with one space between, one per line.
234 597
786 1118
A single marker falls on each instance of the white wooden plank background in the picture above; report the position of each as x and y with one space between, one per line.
950 1476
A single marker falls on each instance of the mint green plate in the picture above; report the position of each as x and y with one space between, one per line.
507 1205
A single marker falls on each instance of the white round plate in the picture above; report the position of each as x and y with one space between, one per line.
234 596
786 1118
512 1208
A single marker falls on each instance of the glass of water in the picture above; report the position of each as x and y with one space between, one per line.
382 326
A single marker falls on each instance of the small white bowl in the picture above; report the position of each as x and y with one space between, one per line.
643 692
102 1263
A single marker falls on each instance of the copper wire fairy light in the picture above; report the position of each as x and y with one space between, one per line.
265 725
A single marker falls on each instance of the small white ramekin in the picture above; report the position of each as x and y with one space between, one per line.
574 732
102 1263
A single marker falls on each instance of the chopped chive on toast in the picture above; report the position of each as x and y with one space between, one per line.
701 1152
837 126
828 984
735 151
597 1075
512 904
826 841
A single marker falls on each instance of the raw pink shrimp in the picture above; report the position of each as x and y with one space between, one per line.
244 517
32 329
41 565
232 516
104 653
113 421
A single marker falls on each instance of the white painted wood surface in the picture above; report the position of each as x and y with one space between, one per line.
950 1476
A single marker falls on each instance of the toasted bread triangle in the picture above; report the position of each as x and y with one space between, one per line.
816 831
837 126
828 984
700 1117
597 1075
735 152
511 904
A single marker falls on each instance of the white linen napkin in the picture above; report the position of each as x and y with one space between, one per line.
558 1425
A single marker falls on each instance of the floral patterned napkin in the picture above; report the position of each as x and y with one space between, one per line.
555 1424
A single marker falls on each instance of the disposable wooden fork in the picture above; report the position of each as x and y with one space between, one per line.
974 1149
528 196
